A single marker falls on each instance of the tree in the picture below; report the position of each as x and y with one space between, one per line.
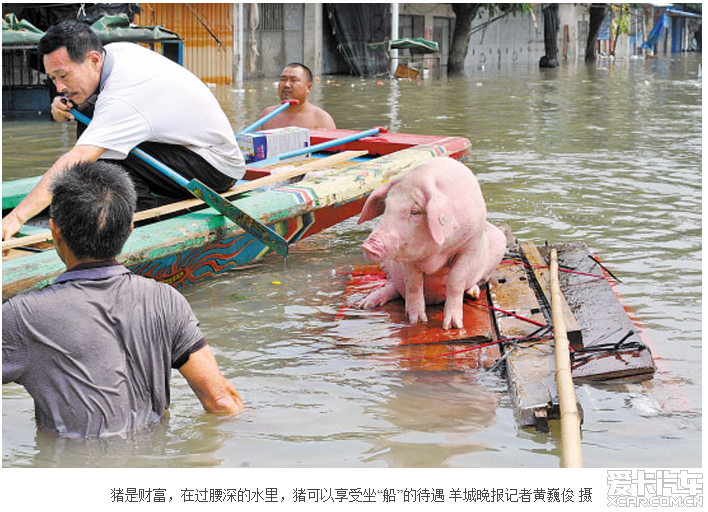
597 14
465 14
550 36
620 23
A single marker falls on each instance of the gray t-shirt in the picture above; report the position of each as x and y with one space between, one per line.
95 349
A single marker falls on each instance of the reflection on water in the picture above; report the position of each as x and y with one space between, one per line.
608 155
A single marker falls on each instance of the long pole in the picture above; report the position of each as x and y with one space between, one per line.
394 35
572 456
284 104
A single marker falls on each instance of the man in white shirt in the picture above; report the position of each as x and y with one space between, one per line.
136 97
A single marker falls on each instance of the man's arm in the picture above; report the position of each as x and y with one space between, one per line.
216 394
39 198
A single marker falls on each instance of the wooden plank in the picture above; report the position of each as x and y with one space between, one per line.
178 206
540 270
603 320
511 292
42 236
531 366
421 347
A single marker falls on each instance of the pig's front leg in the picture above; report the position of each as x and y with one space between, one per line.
415 298
455 291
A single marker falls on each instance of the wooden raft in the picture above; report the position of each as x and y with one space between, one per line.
515 310
593 315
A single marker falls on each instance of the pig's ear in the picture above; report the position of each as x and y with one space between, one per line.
375 204
441 219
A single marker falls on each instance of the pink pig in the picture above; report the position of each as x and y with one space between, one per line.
434 241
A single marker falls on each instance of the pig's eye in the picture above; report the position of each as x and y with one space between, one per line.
415 212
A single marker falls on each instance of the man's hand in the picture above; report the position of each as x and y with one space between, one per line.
40 197
216 394
10 225
60 109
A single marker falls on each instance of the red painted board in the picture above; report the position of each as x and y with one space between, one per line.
421 346
380 144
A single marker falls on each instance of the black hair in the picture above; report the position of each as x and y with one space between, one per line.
93 205
77 36
299 65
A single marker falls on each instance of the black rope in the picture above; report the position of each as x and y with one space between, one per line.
530 337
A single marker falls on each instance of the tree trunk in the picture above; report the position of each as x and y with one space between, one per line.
597 14
464 14
550 36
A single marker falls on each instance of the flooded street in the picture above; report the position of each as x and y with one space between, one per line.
609 155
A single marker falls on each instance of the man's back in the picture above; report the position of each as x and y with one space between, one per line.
96 348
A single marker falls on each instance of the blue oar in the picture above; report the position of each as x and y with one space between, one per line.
198 189
317 147
270 115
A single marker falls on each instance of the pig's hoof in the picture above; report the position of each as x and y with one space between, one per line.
417 318
455 323
473 292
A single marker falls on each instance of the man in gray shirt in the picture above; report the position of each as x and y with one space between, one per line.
95 349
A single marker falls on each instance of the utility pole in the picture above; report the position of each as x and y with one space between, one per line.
394 35
238 44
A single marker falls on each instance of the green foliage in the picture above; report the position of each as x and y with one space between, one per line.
620 19
502 9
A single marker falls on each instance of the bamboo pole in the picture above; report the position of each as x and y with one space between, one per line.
571 456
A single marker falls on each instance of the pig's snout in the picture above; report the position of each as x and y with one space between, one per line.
374 249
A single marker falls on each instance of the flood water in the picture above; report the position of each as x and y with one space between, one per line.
608 154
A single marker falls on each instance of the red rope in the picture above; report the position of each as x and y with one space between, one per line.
525 319
454 352
526 265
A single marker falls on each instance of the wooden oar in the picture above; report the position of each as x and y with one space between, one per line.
258 230
571 454
318 147
285 104
321 163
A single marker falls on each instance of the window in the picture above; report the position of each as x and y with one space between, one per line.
270 17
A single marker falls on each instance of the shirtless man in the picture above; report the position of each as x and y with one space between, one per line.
295 84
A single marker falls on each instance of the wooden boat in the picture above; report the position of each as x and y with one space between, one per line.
186 242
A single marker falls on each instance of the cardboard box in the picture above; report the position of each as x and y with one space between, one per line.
264 144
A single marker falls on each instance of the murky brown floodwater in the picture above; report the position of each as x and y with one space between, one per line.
607 155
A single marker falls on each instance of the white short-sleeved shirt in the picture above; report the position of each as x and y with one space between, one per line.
147 97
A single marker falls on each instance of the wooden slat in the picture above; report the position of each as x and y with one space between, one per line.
540 270
26 240
511 292
531 366
191 203
602 318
